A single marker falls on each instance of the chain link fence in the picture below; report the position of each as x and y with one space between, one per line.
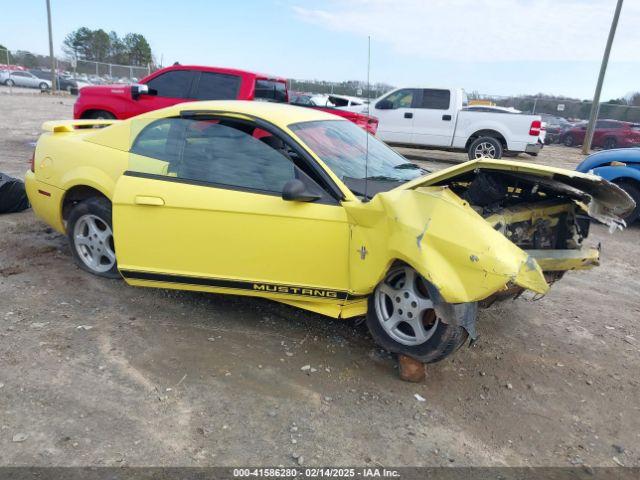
71 74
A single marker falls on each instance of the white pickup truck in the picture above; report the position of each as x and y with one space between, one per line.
434 117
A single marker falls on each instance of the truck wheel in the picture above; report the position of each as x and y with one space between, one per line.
485 147
401 318
100 115
609 143
633 189
90 234
568 141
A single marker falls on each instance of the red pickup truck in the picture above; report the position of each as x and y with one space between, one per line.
185 83
176 84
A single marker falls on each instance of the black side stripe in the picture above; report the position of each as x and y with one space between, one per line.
294 290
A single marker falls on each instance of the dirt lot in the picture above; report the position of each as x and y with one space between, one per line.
93 372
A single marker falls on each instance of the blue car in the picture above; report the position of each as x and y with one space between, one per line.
620 166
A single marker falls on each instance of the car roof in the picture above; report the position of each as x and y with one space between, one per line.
280 114
212 68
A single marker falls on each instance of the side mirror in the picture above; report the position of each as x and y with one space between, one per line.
384 105
137 90
294 190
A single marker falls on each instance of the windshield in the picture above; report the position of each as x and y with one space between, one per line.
343 147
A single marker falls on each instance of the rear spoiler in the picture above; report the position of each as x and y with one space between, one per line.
67 126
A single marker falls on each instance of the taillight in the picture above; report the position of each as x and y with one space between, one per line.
32 162
535 128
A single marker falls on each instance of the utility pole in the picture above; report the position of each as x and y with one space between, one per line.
595 107
53 60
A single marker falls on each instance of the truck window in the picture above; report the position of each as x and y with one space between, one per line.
401 98
217 86
435 99
173 84
271 91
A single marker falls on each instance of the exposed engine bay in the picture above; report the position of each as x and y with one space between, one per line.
530 214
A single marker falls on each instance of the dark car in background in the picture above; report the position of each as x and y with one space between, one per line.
62 83
556 127
608 134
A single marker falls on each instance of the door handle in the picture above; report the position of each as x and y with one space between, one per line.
145 200
408 115
446 118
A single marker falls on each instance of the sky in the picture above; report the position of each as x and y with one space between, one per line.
497 47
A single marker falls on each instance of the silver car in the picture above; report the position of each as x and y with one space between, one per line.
25 79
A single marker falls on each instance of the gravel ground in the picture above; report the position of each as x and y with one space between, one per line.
93 372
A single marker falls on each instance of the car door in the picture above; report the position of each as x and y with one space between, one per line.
201 207
20 79
434 118
600 131
166 89
395 115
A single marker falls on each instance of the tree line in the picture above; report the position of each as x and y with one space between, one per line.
100 46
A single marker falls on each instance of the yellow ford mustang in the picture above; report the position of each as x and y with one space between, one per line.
304 208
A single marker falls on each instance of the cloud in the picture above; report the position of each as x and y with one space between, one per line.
485 30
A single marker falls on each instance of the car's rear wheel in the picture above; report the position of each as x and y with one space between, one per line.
43 86
633 189
609 143
90 234
485 147
568 141
100 115
402 319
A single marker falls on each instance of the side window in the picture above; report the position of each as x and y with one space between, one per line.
221 152
271 91
173 84
159 140
217 86
435 99
401 98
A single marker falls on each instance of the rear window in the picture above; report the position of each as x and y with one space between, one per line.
271 91
217 86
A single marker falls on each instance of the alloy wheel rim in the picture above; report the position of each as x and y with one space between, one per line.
404 309
93 241
485 149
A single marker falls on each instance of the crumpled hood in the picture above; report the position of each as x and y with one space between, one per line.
601 199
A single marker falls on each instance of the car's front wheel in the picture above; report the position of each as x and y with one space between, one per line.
568 141
402 319
90 234
9 83
485 147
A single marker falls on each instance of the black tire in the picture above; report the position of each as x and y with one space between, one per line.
633 189
43 86
98 207
568 141
444 341
609 143
485 144
9 83
100 115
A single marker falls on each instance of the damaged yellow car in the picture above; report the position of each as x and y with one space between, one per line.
304 208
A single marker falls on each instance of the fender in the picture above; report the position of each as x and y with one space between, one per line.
440 236
617 173
88 176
